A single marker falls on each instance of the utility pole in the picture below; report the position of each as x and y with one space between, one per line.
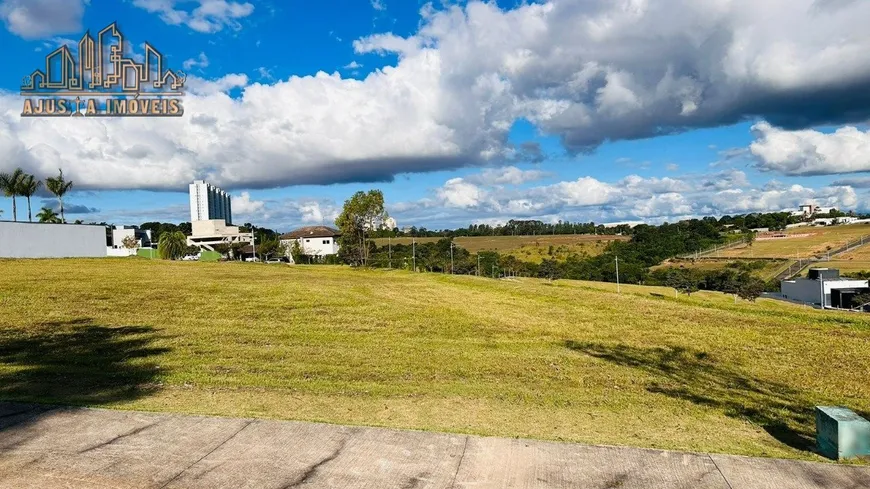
477 272
254 242
451 257
617 275
493 270
414 251
390 247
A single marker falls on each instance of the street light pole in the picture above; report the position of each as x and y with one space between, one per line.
617 275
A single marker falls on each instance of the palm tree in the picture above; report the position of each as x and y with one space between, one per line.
58 186
47 214
172 245
27 187
10 184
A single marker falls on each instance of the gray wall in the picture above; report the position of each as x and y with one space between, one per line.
803 290
35 240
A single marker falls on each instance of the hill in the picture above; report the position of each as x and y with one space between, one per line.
557 360
803 242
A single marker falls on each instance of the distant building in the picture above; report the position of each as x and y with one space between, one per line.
206 234
208 203
760 230
120 233
314 240
824 288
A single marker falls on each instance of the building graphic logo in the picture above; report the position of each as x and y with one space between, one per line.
101 77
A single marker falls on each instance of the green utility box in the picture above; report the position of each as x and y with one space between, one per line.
841 434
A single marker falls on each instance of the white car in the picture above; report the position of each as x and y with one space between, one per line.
190 258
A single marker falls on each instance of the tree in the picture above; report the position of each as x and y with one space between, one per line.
59 186
130 242
47 214
10 184
172 245
861 300
361 213
27 187
296 251
749 287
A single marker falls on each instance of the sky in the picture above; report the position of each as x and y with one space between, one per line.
461 112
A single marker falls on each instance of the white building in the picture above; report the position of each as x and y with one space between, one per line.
206 234
120 233
314 240
208 203
838 291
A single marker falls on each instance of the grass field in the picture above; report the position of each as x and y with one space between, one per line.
771 267
527 248
819 241
524 357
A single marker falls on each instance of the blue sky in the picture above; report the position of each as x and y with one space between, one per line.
461 112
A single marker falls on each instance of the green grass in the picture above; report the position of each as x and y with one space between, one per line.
529 358
526 248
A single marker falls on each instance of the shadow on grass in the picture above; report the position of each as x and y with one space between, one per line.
680 373
78 363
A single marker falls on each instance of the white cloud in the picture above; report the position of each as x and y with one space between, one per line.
672 167
633 198
379 5
245 206
208 16
811 152
457 192
507 175
200 61
584 71
36 19
353 65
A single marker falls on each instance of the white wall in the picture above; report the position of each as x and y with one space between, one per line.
315 246
38 240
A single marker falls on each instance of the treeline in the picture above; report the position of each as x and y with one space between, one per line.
738 223
736 278
648 246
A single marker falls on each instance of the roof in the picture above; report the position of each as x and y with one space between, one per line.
312 232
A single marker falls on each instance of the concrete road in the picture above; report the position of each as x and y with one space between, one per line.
43 447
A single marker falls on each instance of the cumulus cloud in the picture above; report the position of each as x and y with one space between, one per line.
586 72
507 175
36 19
245 206
208 16
460 201
811 152
200 61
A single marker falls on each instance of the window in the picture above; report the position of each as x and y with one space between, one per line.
325 241
307 240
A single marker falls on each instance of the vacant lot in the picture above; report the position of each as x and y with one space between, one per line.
818 242
527 248
564 360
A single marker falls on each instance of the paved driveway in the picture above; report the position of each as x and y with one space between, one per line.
93 448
